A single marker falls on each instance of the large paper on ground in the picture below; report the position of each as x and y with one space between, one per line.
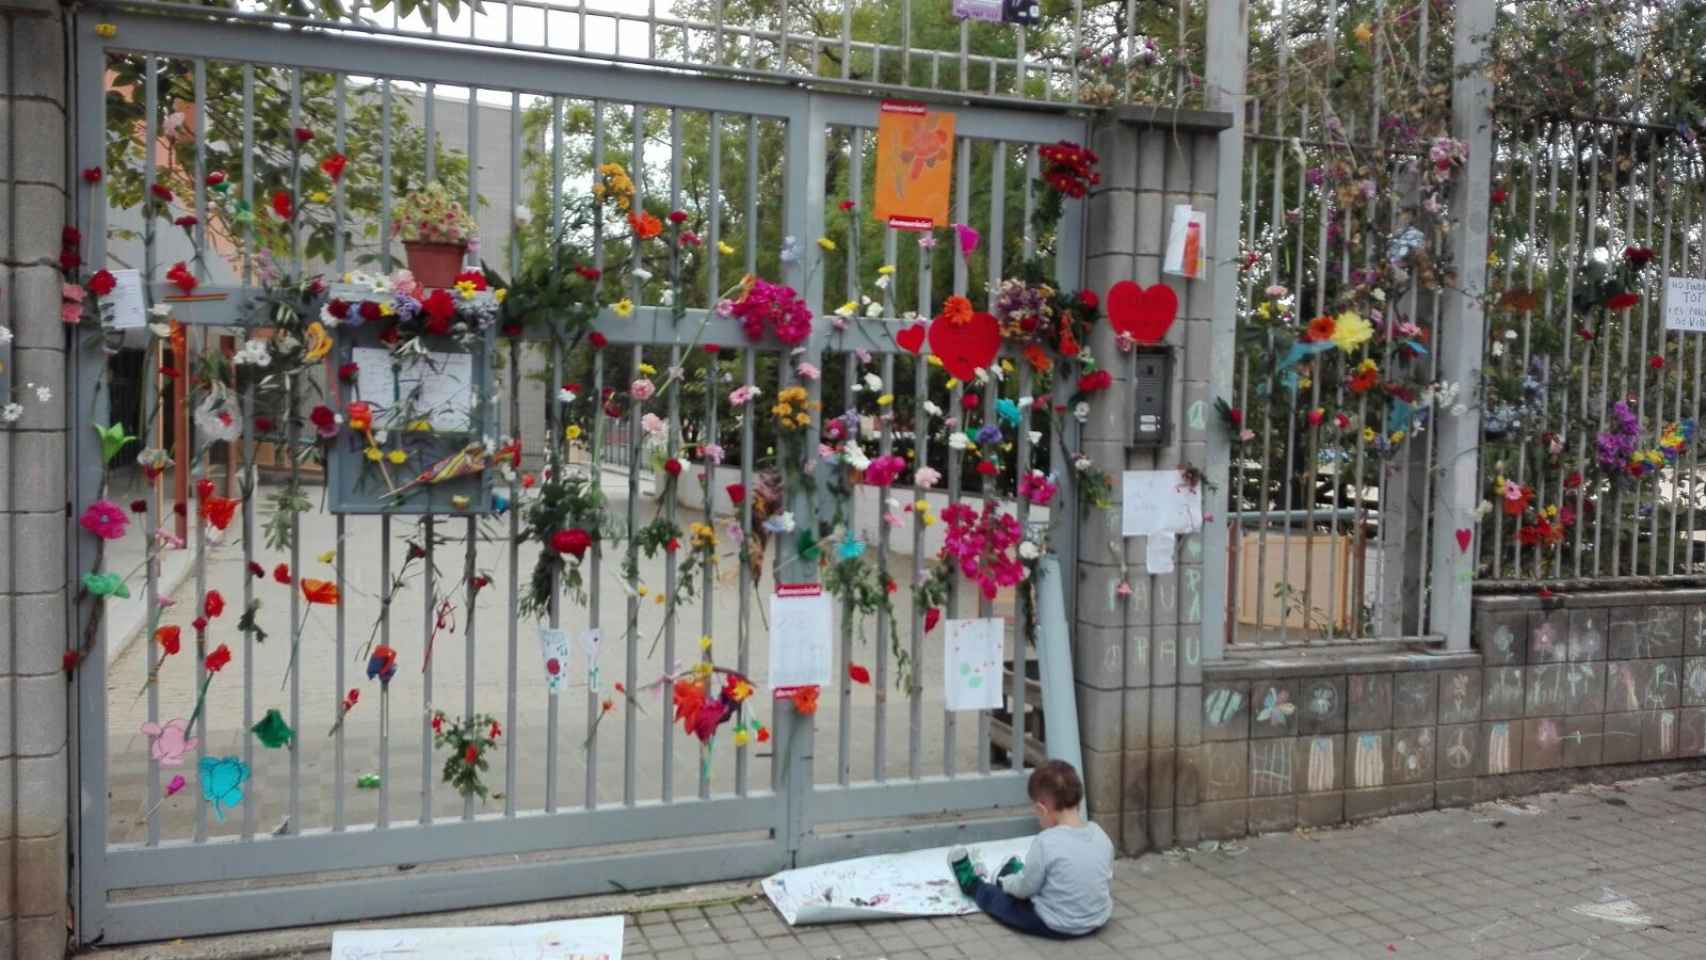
917 884
597 938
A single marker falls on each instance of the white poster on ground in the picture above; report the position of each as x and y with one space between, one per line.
916 884
596 938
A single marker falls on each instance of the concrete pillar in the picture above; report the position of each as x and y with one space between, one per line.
1139 657
34 759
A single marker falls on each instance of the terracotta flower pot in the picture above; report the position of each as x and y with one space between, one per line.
435 264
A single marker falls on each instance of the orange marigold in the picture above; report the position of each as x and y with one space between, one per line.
645 225
957 311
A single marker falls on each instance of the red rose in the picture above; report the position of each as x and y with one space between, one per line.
986 468
219 658
496 731
170 638
588 273
737 493
1622 301
323 417
672 466
573 540
1497 196
216 178
92 175
102 283
69 661
471 755
282 204
338 308
303 134
712 349
1236 416
213 604
370 311
69 260
1638 256
440 309
1095 381
858 674
678 216
181 508
1089 299
846 205
281 573
1657 362
931 617
598 340
161 193
673 545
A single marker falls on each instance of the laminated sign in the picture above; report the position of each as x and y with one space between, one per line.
915 162
1685 304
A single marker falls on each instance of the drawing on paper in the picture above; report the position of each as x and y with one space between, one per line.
554 647
1369 764
589 646
972 664
916 884
595 938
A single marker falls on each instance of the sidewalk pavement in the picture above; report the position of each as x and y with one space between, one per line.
1599 871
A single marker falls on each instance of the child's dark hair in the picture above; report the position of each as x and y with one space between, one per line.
1056 783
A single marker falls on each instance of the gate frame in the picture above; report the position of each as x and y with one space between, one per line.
798 813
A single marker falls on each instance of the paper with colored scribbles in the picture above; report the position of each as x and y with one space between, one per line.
916 884
595 938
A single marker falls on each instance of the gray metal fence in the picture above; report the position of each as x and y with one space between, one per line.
583 798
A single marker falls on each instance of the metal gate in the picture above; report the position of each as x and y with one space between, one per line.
593 788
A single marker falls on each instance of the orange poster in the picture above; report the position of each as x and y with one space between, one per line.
915 162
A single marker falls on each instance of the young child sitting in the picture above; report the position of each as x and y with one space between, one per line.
1061 889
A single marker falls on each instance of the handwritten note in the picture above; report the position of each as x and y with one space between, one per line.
972 664
802 633
1685 304
129 310
438 388
1158 501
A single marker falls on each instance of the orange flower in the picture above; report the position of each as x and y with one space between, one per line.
1320 328
805 698
957 311
320 591
1038 358
645 225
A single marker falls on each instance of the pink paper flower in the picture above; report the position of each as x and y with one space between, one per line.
1036 487
969 238
807 371
71 303
884 470
105 519
926 477
741 395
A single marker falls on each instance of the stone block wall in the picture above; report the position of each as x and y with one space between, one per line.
1565 689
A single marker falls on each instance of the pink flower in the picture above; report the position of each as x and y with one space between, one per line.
807 371
711 453
642 389
926 477
884 470
105 519
741 395
1036 487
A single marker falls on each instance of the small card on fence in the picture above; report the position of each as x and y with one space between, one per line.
1158 501
1685 304
802 637
972 663
129 310
554 645
589 645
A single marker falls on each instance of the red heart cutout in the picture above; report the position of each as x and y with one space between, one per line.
1144 315
967 347
1463 537
911 339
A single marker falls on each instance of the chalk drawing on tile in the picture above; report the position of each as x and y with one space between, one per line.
1697 679
1589 640
1667 732
1504 640
1458 754
1277 708
1321 772
1220 706
1659 685
1323 699
1459 693
1193 593
1544 642
1193 648
1499 748
1270 768
1368 763
1410 756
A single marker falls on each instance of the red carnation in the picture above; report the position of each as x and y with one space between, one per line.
102 283
303 134
471 755
170 638
264 424
69 661
1095 381
348 372
138 506
186 221
281 573
92 175
256 570
737 493
338 308
588 273
672 466
282 205
370 311
213 604
1089 299
216 178
573 540
161 193
986 468
440 309
712 349
511 330
846 205
969 401
334 166
1656 361
323 417
1622 301
858 674
200 625
598 340
678 216
673 545
217 660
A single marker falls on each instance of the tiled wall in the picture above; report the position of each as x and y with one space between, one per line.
1553 688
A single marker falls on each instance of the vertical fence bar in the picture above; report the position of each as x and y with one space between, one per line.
554 437
515 375
429 628
387 584
921 448
595 618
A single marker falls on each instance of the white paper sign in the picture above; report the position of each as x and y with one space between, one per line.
589 647
1158 501
1685 304
1158 552
440 387
802 635
129 310
1186 240
554 646
972 664
596 938
913 884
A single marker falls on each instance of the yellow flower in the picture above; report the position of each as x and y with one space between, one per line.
1364 32
106 31
320 196
826 244
928 520
572 431
658 599
387 310
397 456
1351 331
1006 365
885 270
421 426
466 289
1265 311
647 370
328 556
1493 259
1397 437
373 454
741 738
1304 381
705 642
641 589
1367 434
725 248
885 399
623 307
500 294
953 382
921 505
318 344
933 360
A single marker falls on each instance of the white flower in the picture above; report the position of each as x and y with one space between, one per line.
667 298
1025 403
217 417
1498 348
565 395
783 522
957 441
1082 464
5 334
253 352
11 412
1082 411
642 275
931 409
1036 436
982 375
1458 409
867 426
653 425
523 214
1483 508
160 311
44 394
873 383
874 310
883 282
1028 550
855 456
327 317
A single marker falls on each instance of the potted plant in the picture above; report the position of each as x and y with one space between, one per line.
435 231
